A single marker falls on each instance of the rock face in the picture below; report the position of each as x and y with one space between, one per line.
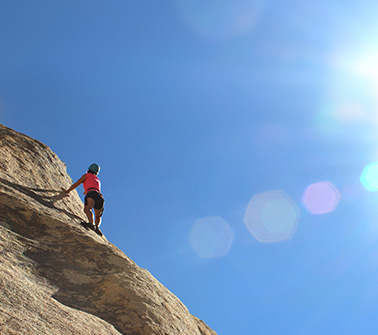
56 277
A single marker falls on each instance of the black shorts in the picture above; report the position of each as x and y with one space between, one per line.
98 198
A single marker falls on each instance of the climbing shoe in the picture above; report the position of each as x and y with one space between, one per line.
87 225
98 231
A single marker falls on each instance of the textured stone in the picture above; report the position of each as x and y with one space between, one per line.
56 277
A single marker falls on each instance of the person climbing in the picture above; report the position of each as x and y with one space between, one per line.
93 197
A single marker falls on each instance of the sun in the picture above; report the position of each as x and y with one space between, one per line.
362 63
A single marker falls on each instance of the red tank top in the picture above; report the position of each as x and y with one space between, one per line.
92 183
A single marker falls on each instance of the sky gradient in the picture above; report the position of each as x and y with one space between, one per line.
233 139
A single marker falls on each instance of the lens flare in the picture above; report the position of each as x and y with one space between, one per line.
272 216
211 237
369 177
321 198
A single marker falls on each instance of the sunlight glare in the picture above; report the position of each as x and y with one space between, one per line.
365 65
211 237
321 198
350 109
360 62
272 216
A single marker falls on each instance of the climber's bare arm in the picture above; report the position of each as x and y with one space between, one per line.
79 182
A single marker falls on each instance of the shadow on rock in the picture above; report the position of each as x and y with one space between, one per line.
46 200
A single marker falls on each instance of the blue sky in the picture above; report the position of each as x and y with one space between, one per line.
231 135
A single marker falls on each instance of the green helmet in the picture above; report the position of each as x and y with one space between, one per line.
94 168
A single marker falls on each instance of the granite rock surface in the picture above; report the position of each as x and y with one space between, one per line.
56 277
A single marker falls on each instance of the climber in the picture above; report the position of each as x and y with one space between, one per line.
93 197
